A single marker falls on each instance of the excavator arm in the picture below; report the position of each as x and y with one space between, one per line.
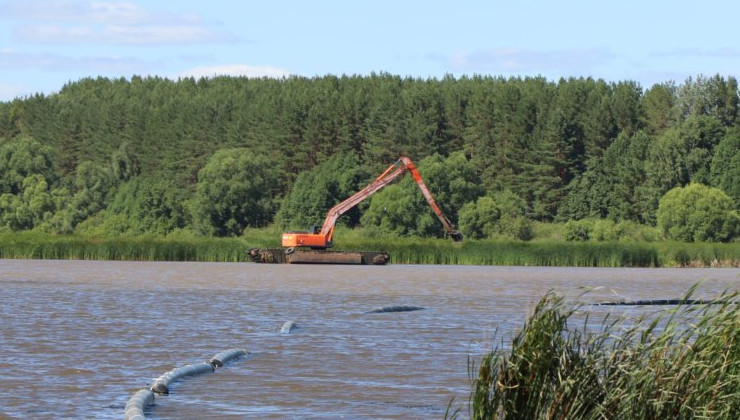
323 238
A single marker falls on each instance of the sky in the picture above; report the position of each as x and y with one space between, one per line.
45 44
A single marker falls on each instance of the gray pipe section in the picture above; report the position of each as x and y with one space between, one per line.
221 358
161 384
141 399
137 403
655 302
400 308
288 327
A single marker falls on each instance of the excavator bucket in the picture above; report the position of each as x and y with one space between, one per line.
456 236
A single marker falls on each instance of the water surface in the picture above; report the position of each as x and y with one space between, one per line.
78 338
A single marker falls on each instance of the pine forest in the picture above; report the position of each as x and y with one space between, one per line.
220 156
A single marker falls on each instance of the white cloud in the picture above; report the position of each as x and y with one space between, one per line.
105 22
119 34
11 60
236 70
112 12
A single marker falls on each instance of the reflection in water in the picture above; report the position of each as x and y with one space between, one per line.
78 338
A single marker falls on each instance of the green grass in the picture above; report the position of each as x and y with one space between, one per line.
184 246
491 252
680 364
681 254
143 248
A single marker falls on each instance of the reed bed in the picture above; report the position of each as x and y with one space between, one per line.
683 363
139 248
551 253
681 254
185 246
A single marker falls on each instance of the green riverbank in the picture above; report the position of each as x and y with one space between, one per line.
682 363
403 250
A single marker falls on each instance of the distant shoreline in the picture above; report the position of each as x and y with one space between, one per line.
33 245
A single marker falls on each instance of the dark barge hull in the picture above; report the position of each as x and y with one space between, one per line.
299 256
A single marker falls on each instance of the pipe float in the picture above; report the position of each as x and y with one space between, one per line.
141 399
288 327
161 384
137 403
646 302
399 308
220 358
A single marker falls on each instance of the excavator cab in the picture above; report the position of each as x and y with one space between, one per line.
310 239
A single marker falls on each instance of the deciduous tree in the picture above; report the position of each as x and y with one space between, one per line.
697 213
236 189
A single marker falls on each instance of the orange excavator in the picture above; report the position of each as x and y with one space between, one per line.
311 247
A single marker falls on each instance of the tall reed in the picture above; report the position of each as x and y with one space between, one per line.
151 248
682 254
682 364
490 252
184 246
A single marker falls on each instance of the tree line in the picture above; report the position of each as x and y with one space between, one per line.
219 155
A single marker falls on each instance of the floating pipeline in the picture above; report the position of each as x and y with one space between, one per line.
306 256
659 302
399 308
144 397
288 327
137 403
161 385
225 356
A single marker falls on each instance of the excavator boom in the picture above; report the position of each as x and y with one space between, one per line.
323 238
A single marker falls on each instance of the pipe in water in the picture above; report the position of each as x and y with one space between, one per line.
137 403
220 358
161 384
399 308
288 327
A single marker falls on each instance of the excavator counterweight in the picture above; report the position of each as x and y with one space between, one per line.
311 247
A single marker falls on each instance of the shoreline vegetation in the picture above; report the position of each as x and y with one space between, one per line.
403 250
656 366
577 172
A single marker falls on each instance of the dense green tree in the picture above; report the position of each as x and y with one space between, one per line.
579 104
697 213
94 184
502 118
27 179
452 180
236 189
714 97
22 157
143 206
318 190
625 108
499 214
683 153
612 187
479 219
549 142
577 230
657 105
401 209
30 207
124 164
725 169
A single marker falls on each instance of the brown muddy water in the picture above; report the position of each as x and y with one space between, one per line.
78 338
